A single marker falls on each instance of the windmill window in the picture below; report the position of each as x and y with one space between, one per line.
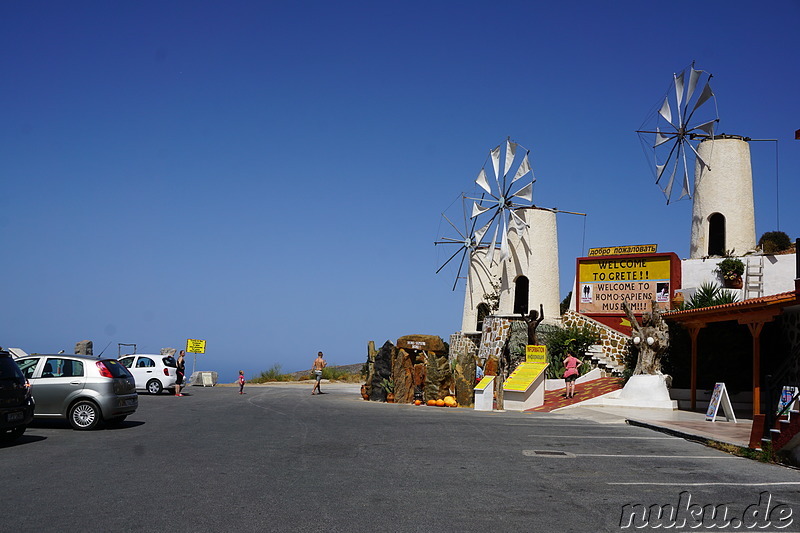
716 234
521 296
483 312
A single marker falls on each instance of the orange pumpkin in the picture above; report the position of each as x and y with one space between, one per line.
417 402
432 403
439 403
449 401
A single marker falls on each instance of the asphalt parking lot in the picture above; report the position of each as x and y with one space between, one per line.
279 459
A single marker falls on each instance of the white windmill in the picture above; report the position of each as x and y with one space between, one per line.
682 134
513 253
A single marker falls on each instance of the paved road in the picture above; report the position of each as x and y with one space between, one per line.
279 459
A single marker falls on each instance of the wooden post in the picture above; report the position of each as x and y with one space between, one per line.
757 431
755 330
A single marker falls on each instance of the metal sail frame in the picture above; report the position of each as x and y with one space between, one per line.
466 241
683 132
500 201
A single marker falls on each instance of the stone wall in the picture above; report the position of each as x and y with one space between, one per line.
614 343
464 344
493 340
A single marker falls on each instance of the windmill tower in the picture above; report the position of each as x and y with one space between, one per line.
524 281
723 216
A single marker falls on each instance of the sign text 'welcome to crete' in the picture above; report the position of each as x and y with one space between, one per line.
605 282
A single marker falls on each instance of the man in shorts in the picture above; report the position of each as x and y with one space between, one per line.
316 368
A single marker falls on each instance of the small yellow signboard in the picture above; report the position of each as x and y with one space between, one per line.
523 377
484 382
535 353
623 250
195 346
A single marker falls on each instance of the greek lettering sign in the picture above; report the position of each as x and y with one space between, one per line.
623 250
535 353
605 282
195 346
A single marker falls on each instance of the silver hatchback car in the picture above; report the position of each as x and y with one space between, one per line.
84 389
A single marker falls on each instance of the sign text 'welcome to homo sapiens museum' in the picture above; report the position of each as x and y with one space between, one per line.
605 282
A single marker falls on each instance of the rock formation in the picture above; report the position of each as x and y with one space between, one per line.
84 348
381 370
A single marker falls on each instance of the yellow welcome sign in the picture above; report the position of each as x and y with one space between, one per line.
535 353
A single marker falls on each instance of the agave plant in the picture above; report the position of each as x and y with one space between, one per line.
387 385
708 295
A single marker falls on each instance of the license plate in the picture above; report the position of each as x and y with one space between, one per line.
15 416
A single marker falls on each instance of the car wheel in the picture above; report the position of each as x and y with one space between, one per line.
154 386
84 415
12 434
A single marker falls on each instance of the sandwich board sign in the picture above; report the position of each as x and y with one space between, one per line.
720 397
787 395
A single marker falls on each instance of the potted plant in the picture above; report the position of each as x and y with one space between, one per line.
730 270
388 387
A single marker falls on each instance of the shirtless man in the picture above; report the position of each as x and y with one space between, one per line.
319 364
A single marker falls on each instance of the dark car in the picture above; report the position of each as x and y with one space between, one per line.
84 389
16 402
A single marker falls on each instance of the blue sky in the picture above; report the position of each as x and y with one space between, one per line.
269 176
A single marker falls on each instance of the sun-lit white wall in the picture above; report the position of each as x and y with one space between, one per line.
779 273
726 188
533 255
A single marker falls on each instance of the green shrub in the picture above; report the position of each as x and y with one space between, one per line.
565 303
773 242
559 341
333 373
273 374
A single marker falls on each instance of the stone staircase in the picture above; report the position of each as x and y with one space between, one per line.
608 354
787 432
598 358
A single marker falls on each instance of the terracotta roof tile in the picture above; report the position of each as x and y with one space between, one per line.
782 297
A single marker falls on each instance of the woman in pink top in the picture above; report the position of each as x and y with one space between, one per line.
571 364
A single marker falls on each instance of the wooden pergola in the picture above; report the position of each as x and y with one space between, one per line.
753 313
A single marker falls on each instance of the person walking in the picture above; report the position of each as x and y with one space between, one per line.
319 364
180 372
571 364
241 381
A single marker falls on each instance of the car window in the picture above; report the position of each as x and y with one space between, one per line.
116 369
145 362
62 368
28 366
9 369
170 362
126 362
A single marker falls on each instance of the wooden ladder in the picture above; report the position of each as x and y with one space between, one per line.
754 277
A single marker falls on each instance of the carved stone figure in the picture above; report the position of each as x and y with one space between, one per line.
651 337
533 319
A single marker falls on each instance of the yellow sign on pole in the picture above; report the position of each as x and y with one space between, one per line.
535 354
195 346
